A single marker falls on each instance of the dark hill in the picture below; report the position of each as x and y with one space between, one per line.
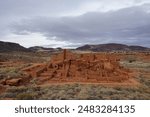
111 47
43 49
10 47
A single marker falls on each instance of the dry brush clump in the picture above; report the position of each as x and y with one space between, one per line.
28 57
76 91
20 93
10 72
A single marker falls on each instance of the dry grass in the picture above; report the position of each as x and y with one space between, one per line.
10 72
78 91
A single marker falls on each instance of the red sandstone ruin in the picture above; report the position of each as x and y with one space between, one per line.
73 67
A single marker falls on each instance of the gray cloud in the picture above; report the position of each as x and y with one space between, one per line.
129 25
26 8
78 22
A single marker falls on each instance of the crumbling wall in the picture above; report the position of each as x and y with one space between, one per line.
89 67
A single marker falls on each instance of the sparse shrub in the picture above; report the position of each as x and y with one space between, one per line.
131 60
10 72
17 89
25 96
8 95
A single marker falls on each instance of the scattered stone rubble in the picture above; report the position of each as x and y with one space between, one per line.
73 67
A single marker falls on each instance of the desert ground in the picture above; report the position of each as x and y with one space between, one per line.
16 84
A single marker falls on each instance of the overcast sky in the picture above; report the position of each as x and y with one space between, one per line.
71 23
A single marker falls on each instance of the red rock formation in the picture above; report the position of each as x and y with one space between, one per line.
72 67
11 82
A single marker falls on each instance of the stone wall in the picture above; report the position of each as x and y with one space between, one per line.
89 67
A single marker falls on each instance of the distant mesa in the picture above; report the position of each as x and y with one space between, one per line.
112 47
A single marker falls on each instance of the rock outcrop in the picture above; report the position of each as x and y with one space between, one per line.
11 82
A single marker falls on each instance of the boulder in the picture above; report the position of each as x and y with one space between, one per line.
108 66
3 82
13 82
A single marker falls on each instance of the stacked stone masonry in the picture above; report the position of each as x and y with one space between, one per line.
73 67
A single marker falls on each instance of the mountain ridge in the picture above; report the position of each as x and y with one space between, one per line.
10 47
41 48
112 47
